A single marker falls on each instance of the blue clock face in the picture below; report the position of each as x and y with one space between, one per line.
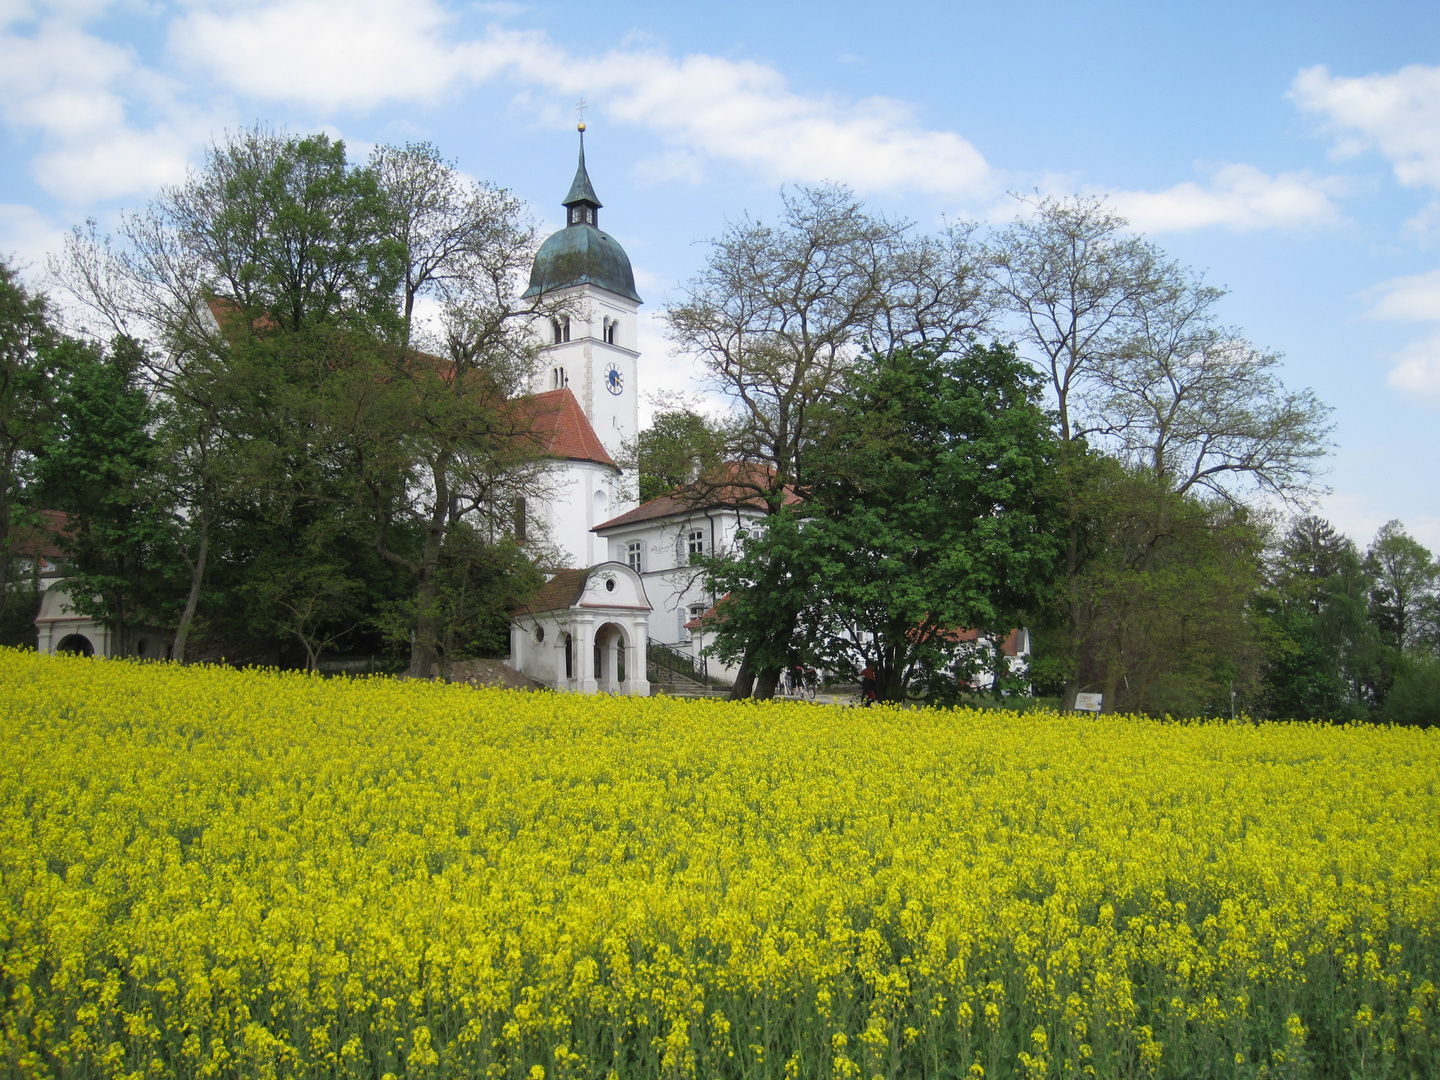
614 379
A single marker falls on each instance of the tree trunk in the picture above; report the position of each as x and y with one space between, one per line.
766 682
424 651
197 578
744 680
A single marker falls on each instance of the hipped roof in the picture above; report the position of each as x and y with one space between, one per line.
735 484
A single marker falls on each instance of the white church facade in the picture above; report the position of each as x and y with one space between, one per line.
575 635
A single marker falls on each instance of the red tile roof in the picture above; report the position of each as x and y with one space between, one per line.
562 428
734 484
714 615
40 540
560 592
1009 647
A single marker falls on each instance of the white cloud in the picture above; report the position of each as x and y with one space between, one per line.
329 53
335 54
1416 298
1418 369
1397 114
77 91
26 236
1237 197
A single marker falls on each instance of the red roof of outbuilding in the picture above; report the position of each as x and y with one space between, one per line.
41 539
734 484
560 592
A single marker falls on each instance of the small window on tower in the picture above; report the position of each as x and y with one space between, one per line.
565 328
610 325
518 508
558 379
555 330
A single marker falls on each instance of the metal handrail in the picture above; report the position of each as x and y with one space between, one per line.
667 661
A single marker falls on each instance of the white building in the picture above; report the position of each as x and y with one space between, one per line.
590 621
62 629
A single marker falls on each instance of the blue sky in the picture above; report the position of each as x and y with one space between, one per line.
1289 150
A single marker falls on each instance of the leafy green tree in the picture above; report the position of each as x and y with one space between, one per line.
1161 601
1406 579
927 515
1324 658
278 285
678 448
25 398
99 468
782 310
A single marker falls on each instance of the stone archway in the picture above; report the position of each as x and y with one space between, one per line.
611 644
78 644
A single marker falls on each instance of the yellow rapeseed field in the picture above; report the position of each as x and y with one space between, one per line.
250 874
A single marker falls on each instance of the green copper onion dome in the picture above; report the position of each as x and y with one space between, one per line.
580 254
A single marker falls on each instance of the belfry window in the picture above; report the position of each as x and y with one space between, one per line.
560 329
610 325
580 214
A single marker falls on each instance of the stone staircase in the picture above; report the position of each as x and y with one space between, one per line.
675 684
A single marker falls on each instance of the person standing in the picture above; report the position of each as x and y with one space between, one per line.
867 686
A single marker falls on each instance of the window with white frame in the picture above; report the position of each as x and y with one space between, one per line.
632 556
695 543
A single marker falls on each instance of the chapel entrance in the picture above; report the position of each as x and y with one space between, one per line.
78 644
610 640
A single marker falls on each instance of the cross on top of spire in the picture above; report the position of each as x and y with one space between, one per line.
582 202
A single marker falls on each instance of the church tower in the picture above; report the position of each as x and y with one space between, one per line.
593 349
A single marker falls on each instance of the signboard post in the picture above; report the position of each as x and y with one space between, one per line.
1089 702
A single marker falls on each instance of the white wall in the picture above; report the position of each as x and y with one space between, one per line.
670 582
586 357
582 495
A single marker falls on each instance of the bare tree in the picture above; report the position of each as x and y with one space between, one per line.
1075 280
447 228
1202 409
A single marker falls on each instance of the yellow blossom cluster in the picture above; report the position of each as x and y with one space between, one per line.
219 873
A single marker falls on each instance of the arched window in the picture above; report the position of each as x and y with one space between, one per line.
610 325
518 508
558 379
560 329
